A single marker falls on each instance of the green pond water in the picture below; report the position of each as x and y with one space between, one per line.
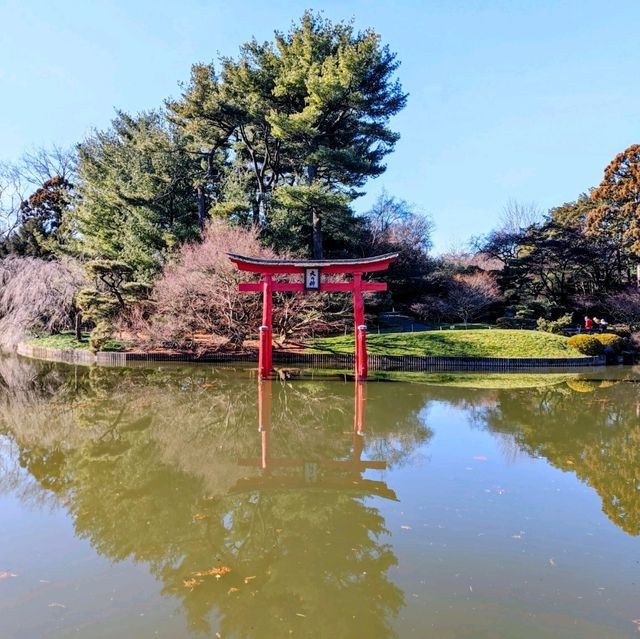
190 501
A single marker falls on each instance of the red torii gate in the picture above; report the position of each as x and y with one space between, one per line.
312 272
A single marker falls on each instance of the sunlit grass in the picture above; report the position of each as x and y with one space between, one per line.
67 340
456 343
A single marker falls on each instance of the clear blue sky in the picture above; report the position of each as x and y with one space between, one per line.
508 99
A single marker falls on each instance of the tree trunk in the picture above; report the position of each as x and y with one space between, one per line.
317 234
316 222
638 275
78 326
202 206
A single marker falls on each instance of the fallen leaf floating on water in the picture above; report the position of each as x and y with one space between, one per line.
7 575
405 527
569 461
480 458
248 579
213 572
552 562
232 590
200 517
56 605
191 583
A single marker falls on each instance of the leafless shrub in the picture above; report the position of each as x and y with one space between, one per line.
198 293
462 258
470 294
36 295
430 308
625 306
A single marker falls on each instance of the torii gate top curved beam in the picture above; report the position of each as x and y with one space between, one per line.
358 265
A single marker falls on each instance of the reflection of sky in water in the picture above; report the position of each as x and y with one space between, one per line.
516 515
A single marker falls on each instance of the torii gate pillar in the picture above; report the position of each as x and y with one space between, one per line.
311 271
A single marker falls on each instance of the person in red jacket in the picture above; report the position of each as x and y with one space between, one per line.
588 324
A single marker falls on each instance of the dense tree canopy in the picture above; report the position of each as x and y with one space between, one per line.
136 195
303 118
617 210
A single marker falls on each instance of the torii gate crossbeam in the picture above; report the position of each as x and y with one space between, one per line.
312 272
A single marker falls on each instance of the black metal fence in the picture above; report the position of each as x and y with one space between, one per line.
405 363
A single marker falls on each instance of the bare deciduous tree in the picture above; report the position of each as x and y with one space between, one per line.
36 295
470 294
517 216
625 307
12 193
18 180
40 165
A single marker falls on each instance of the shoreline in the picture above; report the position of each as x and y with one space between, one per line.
400 363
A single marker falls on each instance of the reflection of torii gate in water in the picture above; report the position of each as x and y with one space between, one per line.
329 473
312 271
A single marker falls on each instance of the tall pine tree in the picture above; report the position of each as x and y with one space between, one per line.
305 119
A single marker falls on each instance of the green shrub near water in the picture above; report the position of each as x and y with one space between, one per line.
557 326
586 344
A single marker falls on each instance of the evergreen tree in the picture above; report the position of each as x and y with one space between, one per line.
136 193
305 118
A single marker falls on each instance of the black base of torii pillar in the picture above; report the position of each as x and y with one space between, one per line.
312 272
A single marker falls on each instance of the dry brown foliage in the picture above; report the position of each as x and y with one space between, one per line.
617 214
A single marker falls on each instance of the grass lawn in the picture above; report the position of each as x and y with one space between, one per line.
67 340
459 343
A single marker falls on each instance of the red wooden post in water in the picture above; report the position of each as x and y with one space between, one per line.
265 365
311 272
360 329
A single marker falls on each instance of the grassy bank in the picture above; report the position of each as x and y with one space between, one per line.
67 341
439 343
459 343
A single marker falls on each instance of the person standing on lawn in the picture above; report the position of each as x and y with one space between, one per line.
588 324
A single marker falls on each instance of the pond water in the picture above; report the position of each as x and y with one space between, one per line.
189 501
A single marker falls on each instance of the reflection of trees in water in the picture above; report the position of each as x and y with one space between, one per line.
144 459
318 558
588 427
